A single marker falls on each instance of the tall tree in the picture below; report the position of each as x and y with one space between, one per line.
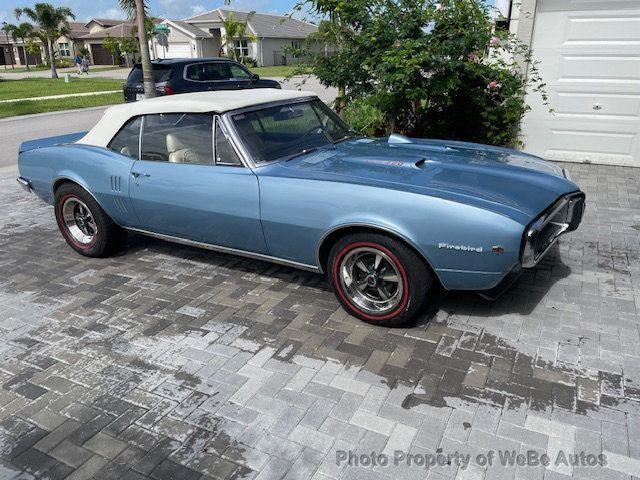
53 22
20 33
137 9
7 28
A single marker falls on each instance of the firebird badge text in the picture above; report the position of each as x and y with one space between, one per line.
462 248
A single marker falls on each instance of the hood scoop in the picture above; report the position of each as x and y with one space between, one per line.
395 139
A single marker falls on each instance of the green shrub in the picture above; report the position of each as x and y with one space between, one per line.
248 61
364 118
433 68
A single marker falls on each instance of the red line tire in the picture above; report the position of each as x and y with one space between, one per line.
108 237
414 280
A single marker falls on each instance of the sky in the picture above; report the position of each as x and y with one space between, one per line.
175 9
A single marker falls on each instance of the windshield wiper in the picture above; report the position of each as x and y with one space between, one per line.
345 137
304 151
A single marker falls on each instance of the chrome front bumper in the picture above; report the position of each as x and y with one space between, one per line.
561 217
26 186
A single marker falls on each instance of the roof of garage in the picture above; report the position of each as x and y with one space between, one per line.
261 24
189 29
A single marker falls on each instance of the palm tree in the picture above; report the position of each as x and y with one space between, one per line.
7 28
53 22
235 30
20 33
137 9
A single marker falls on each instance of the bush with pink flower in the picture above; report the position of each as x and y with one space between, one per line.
427 68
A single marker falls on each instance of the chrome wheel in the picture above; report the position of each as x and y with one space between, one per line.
372 280
79 221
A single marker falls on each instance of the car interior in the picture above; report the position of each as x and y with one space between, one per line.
215 72
276 132
175 138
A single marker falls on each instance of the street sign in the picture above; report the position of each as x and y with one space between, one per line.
161 28
162 39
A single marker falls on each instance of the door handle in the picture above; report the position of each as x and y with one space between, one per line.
139 174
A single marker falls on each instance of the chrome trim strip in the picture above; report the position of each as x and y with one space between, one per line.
229 250
77 182
140 132
219 121
24 183
276 103
365 225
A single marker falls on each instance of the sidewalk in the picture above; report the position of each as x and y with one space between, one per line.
12 75
53 97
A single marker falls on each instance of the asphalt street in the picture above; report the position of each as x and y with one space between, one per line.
15 130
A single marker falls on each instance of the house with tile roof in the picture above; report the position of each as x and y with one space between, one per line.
66 46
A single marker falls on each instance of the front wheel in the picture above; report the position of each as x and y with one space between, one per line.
379 279
84 224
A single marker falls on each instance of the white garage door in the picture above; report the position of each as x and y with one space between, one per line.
590 54
175 50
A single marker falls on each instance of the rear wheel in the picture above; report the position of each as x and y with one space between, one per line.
379 279
84 224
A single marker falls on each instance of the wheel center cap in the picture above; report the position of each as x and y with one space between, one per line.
371 280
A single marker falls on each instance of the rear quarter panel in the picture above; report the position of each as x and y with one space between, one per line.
103 173
297 213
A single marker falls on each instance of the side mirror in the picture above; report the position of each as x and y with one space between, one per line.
255 76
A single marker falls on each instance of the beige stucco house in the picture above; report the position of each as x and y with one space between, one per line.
203 36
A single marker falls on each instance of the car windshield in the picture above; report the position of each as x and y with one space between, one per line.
283 132
161 74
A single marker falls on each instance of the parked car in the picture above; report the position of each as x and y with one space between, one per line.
185 75
278 176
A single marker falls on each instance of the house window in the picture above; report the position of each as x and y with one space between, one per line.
64 49
242 48
296 44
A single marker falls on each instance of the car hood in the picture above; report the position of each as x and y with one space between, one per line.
502 180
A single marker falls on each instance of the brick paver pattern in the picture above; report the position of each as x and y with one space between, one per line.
169 362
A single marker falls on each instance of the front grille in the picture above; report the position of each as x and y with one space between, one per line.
561 217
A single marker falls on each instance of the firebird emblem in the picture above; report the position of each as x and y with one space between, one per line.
461 248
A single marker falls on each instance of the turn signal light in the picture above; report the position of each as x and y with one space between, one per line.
168 90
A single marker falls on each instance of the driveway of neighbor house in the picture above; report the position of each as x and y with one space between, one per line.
171 362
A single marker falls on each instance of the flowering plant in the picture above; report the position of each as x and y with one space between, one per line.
431 68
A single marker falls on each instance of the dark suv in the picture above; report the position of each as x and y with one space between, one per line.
183 75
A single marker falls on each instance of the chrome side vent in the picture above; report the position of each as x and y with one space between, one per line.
115 183
120 205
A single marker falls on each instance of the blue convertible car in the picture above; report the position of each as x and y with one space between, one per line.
276 175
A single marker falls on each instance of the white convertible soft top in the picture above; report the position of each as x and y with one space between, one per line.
199 102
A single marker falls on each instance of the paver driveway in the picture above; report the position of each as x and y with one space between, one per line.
174 363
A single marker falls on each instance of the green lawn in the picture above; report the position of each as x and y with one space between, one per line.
40 87
25 107
61 70
278 71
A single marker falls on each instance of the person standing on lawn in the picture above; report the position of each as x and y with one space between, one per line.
85 65
78 61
